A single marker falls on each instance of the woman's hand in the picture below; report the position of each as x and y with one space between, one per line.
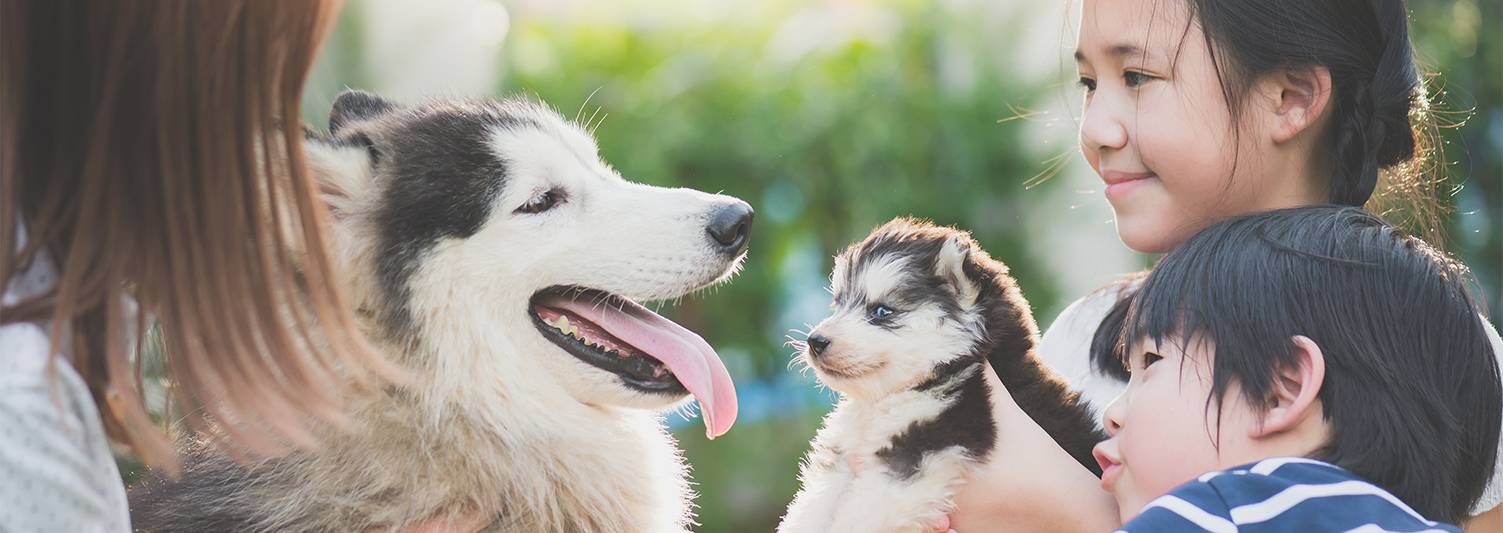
1029 483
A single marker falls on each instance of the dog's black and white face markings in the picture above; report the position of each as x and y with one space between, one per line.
903 306
499 215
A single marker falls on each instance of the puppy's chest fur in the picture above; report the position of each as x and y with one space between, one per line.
911 451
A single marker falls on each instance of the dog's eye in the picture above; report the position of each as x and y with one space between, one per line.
880 311
542 202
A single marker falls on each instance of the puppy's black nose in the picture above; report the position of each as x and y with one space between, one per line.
817 344
730 226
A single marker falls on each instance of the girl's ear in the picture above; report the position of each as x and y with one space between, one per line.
1298 96
1295 390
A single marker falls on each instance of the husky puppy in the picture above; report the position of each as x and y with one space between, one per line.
918 311
494 255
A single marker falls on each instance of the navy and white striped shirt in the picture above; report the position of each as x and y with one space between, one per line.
1282 494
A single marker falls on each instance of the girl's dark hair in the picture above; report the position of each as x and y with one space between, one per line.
1380 112
1411 389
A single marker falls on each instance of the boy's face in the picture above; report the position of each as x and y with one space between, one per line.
1164 427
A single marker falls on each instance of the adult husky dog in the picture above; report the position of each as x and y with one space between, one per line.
496 256
919 310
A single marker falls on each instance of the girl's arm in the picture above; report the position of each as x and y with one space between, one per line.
1029 483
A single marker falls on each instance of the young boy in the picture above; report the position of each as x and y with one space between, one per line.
1328 371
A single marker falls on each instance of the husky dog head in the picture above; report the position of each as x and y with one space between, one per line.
907 305
495 253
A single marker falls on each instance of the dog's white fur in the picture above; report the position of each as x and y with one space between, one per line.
875 369
546 418
499 421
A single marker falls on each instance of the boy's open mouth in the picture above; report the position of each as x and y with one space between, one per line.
647 352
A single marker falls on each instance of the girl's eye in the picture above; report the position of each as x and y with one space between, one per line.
1149 358
1134 78
881 311
1086 83
542 202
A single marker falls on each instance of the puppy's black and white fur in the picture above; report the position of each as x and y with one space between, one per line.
918 311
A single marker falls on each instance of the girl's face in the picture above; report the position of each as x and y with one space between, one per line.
1157 129
1163 430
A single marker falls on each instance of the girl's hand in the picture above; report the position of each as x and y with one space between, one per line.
1029 483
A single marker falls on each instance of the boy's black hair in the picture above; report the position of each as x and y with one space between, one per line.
1412 388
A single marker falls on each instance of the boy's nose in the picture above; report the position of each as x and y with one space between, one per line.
1111 418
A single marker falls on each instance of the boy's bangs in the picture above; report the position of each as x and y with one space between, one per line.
1229 286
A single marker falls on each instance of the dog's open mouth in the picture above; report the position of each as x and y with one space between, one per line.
648 352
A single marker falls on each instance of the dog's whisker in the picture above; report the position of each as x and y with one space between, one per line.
585 103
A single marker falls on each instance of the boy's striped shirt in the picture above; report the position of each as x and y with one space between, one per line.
1281 494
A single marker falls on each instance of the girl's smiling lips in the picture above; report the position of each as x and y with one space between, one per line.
1118 183
1109 467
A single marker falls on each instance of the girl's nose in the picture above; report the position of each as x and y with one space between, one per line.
1102 130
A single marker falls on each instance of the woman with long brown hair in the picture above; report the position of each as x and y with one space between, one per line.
151 173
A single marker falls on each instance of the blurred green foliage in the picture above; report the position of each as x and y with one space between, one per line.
1461 42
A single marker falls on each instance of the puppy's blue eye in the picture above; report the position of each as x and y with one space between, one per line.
881 311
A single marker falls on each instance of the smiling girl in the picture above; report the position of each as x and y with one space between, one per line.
1199 110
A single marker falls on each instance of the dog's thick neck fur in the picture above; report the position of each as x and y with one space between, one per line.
950 409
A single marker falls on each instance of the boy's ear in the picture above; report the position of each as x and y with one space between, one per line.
950 266
1299 95
1295 390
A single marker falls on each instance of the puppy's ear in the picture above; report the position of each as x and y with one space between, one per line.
355 105
838 276
950 266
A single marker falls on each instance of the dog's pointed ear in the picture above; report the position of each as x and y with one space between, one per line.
345 176
354 105
950 266
838 276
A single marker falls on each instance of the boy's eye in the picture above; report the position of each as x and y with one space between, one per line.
1086 83
1134 78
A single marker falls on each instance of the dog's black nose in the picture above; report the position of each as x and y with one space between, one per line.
817 344
730 226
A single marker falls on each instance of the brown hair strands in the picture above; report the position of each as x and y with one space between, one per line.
153 150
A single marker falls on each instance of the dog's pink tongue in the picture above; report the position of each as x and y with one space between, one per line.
685 353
